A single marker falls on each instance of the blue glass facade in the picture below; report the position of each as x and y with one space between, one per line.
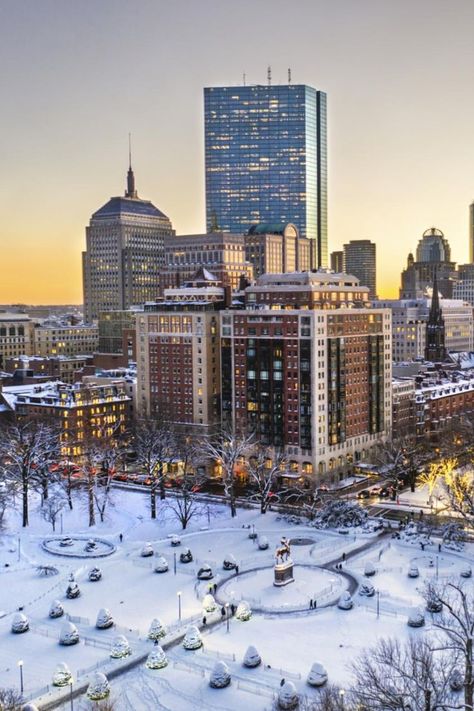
266 159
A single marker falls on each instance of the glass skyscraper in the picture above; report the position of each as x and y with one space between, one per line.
266 160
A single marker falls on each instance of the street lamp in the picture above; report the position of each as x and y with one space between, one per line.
342 694
70 695
227 614
20 664
179 605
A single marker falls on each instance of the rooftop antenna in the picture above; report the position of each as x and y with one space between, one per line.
245 77
289 75
130 151
269 75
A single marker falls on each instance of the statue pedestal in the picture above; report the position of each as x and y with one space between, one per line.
283 573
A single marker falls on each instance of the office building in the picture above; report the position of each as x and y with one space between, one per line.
306 365
55 340
63 368
124 253
433 254
463 288
266 160
277 249
16 335
359 259
337 262
221 253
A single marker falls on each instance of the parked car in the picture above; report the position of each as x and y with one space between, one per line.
363 494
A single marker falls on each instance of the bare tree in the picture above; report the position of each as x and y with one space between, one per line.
154 444
402 458
459 494
10 700
26 448
329 698
7 499
456 622
403 677
264 471
228 449
52 507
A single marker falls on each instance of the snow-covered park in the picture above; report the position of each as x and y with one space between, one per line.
291 627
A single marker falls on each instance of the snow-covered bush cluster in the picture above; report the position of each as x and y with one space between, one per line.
220 676
56 609
192 638
69 634
340 514
62 676
157 630
252 658
156 659
120 647
104 619
243 612
208 603
99 688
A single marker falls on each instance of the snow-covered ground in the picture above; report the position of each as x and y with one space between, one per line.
288 642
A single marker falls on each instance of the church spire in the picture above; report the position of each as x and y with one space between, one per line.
131 191
435 350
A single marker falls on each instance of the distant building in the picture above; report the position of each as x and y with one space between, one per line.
117 333
403 408
409 319
178 358
433 254
359 259
65 340
124 253
337 262
306 365
435 348
16 336
266 160
63 368
464 287
277 249
222 253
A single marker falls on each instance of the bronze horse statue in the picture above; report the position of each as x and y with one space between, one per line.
283 553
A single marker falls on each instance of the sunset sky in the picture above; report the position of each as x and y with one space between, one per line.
78 75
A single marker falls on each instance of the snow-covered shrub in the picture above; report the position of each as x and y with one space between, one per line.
208 603
157 630
186 556
433 603
369 569
104 619
466 571
72 590
69 634
56 609
453 536
95 574
175 540
367 590
229 562
253 534
156 659
318 675
29 707
161 565
99 688
147 550
413 571
416 618
263 543
456 680
340 513
205 573
220 676
243 612
345 601
252 658
288 697
20 623
120 647
66 541
62 676
192 638
90 546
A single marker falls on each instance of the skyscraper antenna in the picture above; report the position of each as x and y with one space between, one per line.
269 75
244 77
130 151
289 75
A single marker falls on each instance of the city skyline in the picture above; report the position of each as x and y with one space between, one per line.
78 77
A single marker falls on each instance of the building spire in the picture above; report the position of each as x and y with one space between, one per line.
435 350
131 191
